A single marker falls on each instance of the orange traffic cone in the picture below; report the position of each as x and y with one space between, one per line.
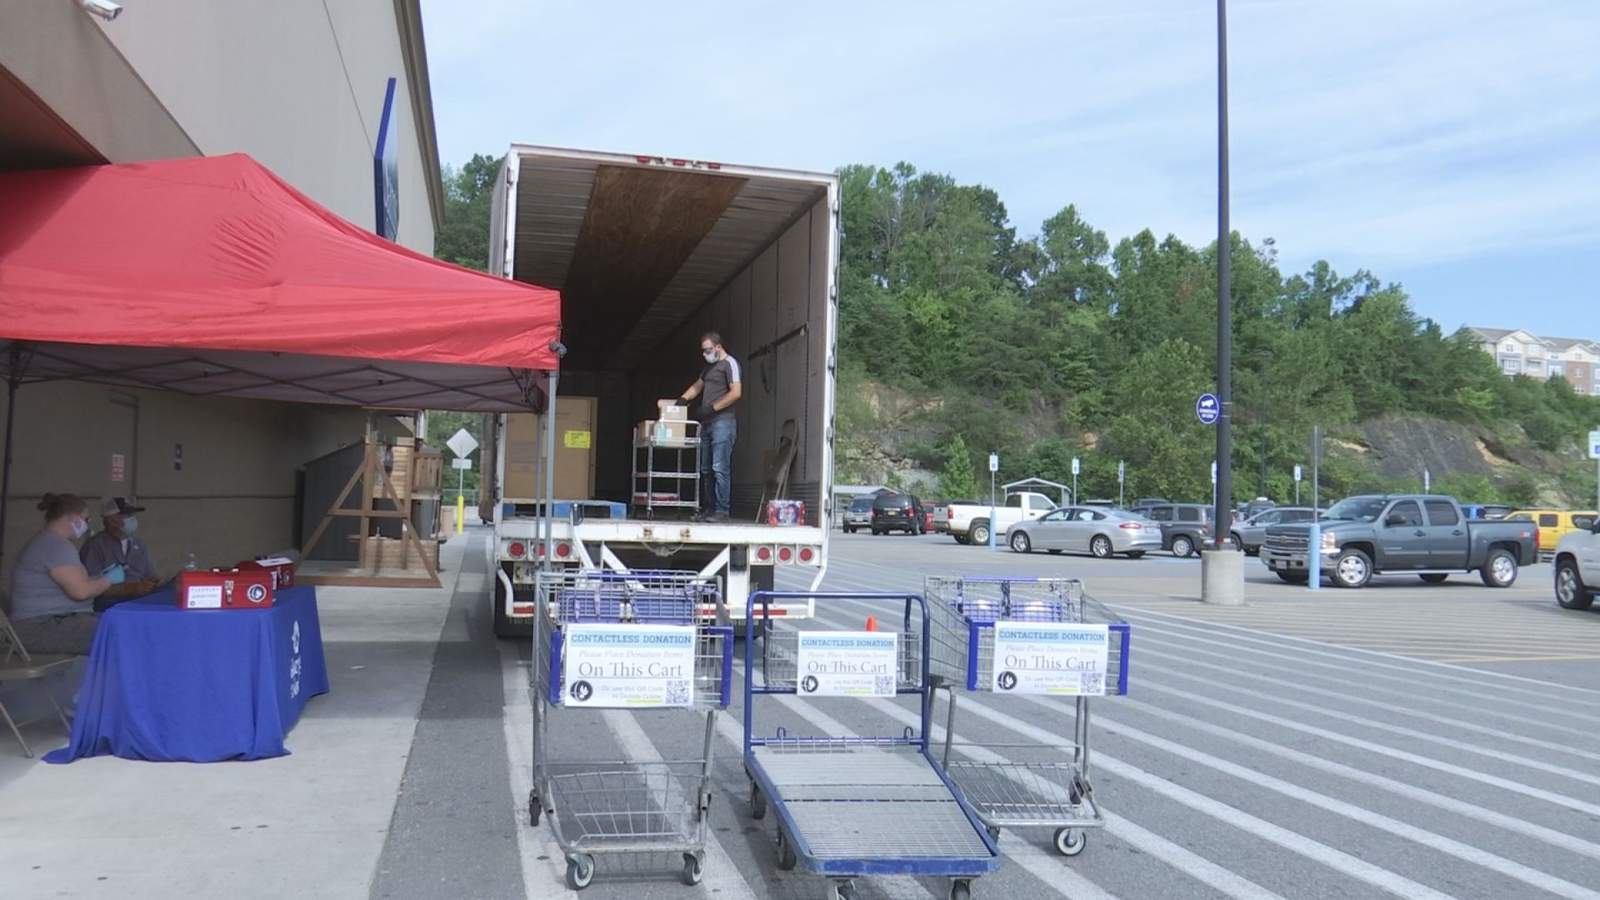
872 623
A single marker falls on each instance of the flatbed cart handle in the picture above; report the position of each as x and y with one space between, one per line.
765 598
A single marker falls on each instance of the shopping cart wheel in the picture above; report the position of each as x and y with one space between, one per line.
961 889
580 871
693 868
786 858
758 803
533 808
1070 841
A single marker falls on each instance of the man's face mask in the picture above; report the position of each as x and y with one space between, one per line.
710 353
130 524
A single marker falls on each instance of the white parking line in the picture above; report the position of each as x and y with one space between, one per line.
1457 849
1487 678
543 864
1449 804
1146 640
1516 759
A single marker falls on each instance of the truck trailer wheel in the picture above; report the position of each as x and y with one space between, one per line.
1500 569
1353 569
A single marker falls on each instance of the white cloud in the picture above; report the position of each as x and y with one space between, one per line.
1380 132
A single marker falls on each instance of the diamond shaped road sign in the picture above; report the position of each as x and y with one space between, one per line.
461 443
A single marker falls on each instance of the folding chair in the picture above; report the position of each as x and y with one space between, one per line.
16 664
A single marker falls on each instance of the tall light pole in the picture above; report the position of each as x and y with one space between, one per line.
1224 488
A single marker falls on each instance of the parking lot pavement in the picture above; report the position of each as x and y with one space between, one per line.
1244 763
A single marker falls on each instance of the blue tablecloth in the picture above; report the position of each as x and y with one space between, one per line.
168 684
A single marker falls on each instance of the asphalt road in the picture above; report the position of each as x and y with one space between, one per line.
1407 740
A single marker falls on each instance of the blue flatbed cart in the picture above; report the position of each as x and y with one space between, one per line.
1021 785
852 806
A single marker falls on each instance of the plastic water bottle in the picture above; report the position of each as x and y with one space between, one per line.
191 565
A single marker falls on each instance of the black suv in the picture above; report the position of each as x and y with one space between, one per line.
1185 527
897 512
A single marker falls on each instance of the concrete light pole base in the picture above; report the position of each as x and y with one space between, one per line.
1222 577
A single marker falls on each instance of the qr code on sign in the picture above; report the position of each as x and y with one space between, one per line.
883 684
1092 683
678 693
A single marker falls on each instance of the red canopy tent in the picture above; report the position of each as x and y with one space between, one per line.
213 276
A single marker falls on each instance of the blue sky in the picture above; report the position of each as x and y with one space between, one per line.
1451 146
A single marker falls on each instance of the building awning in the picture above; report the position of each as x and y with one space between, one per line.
212 276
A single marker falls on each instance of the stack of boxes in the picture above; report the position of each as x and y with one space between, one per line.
671 430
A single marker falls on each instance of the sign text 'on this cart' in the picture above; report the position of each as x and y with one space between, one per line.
848 663
629 666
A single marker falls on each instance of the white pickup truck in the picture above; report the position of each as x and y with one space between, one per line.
969 523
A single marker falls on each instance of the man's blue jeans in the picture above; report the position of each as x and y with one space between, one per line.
716 464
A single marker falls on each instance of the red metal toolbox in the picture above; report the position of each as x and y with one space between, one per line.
281 567
225 589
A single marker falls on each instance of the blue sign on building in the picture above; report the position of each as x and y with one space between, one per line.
1208 409
386 170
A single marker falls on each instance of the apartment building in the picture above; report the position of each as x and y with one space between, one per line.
1519 352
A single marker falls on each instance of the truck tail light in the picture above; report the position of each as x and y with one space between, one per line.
516 550
786 554
563 550
764 554
807 555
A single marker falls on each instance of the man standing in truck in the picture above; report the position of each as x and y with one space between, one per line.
718 388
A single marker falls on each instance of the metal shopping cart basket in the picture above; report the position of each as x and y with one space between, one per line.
1036 785
849 806
634 640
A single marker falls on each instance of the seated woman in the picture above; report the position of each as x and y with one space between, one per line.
51 592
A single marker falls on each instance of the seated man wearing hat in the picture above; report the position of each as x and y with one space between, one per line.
115 545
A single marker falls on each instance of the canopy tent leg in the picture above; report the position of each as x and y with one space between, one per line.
13 381
551 379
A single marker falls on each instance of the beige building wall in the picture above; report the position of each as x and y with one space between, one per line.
234 496
297 84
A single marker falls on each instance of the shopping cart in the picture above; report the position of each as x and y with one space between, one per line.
849 806
610 626
1021 785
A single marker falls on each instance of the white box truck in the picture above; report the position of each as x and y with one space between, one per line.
649 253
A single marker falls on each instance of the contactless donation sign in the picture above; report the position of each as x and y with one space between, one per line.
629 666
1050 658
848 663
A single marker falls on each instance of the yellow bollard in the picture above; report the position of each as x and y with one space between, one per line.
461 513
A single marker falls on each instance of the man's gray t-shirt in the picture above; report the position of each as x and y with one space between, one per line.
33 592
717 379
104 551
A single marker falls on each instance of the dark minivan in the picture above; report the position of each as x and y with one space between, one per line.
897 512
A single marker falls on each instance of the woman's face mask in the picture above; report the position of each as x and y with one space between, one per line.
80 527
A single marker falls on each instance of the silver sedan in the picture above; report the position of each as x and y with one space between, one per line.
1084 529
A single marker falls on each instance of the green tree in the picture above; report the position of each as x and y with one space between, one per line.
957 480
464 237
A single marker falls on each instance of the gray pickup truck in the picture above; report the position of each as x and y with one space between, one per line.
1425 535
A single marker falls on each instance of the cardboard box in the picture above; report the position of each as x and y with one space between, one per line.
575 448
672 412
661 434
